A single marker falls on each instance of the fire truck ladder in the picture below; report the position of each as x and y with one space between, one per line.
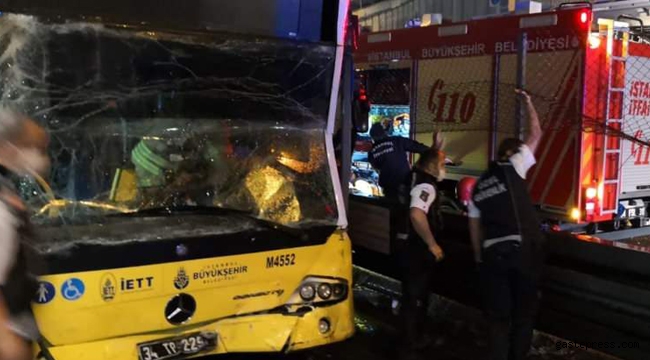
618 34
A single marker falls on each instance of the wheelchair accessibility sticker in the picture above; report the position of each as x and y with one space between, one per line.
72 289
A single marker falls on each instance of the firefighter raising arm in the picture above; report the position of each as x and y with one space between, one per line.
521 157
534 129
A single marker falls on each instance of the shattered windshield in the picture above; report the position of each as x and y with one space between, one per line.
142 119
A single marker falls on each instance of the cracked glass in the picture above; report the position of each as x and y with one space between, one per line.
142 119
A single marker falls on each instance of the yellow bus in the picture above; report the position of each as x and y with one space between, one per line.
194 205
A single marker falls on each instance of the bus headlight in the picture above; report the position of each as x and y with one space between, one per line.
316 290
325 291
307 292
324 326
339 289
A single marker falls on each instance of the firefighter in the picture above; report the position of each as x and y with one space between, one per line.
23 151
507 241
389 157
422 249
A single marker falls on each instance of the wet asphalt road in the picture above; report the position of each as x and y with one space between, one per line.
457 333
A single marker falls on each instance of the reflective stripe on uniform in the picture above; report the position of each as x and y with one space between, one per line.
143 157
490 242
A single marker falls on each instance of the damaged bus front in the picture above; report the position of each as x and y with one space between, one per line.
193 205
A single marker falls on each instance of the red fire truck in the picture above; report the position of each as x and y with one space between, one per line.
590 81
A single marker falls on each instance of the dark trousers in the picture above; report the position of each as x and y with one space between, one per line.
418 266
398 199
511 300
399 231
415 263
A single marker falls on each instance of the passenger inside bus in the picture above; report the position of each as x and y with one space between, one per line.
198 171
175 173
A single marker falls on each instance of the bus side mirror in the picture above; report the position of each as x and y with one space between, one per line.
360 111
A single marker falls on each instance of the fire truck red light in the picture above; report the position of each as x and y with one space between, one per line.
584 17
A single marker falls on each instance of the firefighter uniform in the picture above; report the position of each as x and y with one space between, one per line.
418 261
389 157
511 254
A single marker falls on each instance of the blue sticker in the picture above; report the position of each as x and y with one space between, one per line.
72 289
45 293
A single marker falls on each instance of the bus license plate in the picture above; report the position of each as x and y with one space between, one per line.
177 347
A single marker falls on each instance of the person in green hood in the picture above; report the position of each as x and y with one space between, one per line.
175 171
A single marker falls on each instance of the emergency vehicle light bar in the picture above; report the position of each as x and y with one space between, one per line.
452 30
538 21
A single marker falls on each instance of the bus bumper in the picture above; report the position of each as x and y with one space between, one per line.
249 333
